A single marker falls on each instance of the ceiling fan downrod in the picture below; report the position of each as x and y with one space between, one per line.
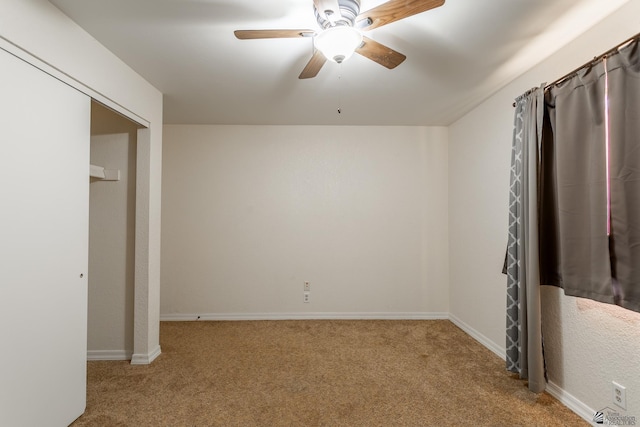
345 16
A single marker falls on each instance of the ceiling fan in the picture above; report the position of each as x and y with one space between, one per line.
342 25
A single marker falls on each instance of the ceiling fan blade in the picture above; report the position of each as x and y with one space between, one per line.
313 66
322 6
272 34
380 53
394 10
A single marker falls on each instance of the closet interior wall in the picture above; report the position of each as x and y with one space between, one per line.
112 237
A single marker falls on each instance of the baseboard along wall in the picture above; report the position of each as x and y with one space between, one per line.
145 359
109 355
482 339
304 316
568 400
571 402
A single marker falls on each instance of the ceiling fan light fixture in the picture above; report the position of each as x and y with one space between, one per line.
338 43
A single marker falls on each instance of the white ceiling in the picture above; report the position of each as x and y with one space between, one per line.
457 55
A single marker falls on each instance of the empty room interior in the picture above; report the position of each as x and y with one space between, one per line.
277 233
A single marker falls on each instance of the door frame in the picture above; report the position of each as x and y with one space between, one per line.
145 345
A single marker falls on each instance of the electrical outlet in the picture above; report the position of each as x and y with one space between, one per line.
307 286
306 297
619 395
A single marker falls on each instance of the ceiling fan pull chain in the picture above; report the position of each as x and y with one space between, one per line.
339 89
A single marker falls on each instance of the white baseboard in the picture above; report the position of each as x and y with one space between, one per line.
563 397
571 402
498 350
304 316
108 355
145 359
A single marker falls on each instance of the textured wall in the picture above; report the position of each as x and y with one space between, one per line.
588 345
251 212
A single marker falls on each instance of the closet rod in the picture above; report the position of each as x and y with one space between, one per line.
593 61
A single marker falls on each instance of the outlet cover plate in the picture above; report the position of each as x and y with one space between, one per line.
619 395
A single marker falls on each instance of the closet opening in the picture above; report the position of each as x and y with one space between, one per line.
112 228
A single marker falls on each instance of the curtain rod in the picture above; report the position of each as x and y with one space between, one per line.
594 60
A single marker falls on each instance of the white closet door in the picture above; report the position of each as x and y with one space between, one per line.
44 202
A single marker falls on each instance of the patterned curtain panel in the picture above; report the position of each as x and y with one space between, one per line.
524 330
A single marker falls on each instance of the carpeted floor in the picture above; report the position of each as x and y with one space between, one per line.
316 373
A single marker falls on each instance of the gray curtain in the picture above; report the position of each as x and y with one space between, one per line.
574 203
524 331
577 252
624 101
572 224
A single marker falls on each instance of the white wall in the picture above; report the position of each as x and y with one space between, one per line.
38 32
587 344
251 212
112 237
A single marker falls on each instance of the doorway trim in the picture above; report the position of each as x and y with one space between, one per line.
145 344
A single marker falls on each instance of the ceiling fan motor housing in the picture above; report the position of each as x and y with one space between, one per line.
349 10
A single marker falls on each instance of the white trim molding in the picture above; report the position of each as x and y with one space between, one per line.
498 350
305 316
563 397
571 402
17 51
109 355
145 359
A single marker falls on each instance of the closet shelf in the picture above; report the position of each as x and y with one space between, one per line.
104 174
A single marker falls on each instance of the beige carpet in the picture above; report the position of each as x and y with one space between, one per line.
316 373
